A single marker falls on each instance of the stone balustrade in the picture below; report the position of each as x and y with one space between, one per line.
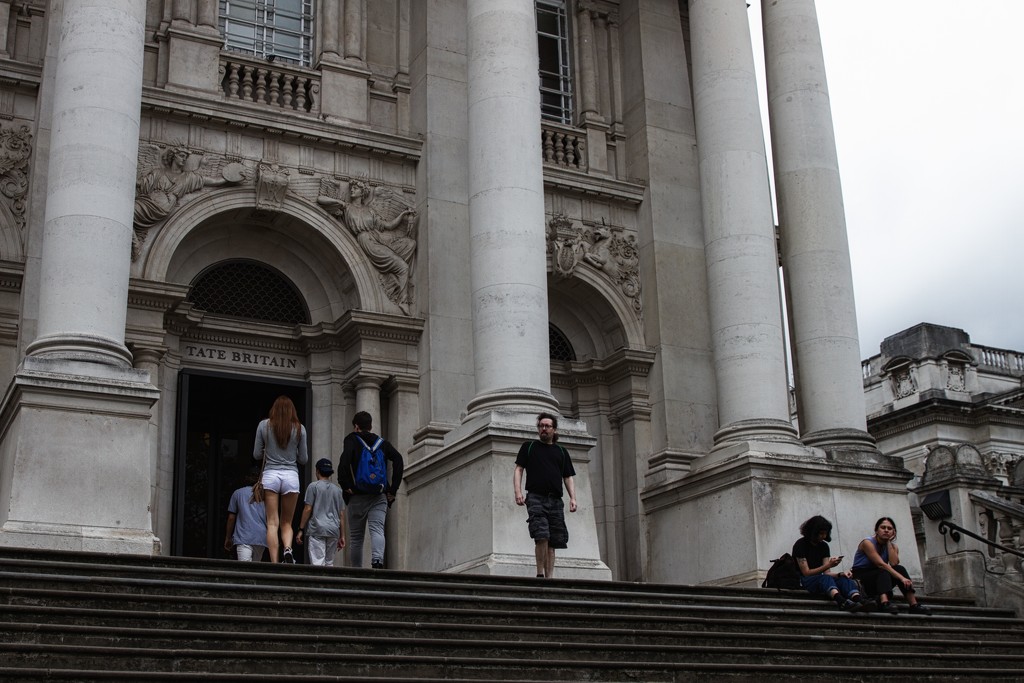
999 359
1001 521
564 147
274 85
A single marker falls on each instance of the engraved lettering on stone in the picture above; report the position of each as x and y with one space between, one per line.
271 186
15 150
385 227
602 248
170 177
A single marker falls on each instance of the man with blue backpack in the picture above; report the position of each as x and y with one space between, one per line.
363 474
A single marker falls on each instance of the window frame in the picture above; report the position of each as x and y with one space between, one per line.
564 111
266 41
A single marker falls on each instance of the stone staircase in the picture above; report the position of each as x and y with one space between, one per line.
88 617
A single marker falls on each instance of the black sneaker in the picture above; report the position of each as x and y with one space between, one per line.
888 608
918 608
848 606
863 605
288 558
377 565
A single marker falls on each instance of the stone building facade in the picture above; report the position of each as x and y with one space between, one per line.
386 206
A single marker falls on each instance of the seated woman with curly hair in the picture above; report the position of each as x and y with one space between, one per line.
815 562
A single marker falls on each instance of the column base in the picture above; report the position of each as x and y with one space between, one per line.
726 521
467 519
75 454
515 399
839 440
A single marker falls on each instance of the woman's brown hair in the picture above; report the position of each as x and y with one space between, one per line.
283 420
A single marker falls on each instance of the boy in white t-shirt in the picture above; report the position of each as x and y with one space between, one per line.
322 528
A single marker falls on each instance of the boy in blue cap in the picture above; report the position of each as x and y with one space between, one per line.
323 518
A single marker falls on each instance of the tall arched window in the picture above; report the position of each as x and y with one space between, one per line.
555 68
247 289
275 29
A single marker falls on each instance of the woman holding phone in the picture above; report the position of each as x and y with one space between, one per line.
815 562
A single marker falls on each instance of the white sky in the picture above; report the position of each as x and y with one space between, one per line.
928 106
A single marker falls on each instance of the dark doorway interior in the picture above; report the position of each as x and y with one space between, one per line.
217 418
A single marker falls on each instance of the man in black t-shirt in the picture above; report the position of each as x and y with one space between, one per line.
548 467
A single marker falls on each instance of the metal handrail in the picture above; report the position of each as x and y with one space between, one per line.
955 530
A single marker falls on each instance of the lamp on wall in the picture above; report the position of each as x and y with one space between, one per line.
936 505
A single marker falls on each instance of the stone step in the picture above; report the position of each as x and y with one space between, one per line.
75 616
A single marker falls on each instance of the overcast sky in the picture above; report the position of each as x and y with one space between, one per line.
928 105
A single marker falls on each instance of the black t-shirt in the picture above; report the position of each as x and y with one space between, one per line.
546 465
814 553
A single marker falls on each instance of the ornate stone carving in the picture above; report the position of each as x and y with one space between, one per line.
602 248
171 176
271 186
904 383
957 380
15 150
385 227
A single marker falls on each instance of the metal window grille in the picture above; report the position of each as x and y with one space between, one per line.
559 348
555 68
279 29
246 289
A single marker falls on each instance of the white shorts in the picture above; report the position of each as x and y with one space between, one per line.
281 482
321 550
250 553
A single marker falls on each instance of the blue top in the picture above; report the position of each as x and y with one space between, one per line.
861 561
250 518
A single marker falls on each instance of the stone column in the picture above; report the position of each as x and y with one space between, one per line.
329 24
87 231
506 209
368 397
588 66
468 481
739 231
354 30
815 252
181 10
75 400
208 14
5 23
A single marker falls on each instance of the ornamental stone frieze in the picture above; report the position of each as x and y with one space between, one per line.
15 150
171 176
599 247
385 226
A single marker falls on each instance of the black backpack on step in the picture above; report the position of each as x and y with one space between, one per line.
782 574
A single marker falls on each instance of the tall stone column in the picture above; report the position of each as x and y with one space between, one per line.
368 397
468 481
815 252
588 66
75 402
506 209
330 22
5 23
739 230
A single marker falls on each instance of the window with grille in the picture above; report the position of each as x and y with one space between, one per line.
280 29
246 289
555 69
559 348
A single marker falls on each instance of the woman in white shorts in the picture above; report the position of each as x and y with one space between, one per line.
283 438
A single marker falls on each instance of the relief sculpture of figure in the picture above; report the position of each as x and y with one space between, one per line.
165 177
385 229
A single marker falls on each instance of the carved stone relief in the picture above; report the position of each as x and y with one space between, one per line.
957 380
385 226
169 177
604 249
904 383
271 186
15 150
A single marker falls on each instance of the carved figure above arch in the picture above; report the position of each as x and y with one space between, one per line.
385 227
605 249
15 150
171 176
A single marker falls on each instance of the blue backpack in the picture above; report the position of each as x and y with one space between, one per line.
371 475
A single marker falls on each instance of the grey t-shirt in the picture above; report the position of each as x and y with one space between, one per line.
325 520
294 453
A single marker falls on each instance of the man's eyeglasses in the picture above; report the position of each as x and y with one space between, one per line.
545 426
